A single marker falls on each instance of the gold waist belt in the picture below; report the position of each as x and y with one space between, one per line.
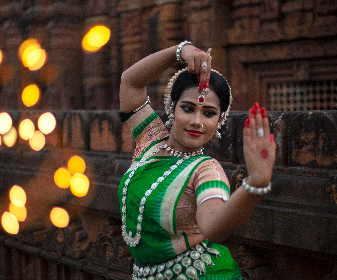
188 265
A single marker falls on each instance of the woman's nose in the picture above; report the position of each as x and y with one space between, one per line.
197 120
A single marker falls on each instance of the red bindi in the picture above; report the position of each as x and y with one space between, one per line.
264 154
198 50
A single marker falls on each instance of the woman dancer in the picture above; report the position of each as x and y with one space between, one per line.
175 201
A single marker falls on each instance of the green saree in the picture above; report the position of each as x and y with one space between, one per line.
162 238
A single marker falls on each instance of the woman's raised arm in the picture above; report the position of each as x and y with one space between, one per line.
135 79
217 219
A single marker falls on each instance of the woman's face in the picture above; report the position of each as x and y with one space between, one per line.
194 125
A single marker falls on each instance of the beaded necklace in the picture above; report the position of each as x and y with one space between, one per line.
128 237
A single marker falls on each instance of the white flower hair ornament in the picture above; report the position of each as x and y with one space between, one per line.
169 104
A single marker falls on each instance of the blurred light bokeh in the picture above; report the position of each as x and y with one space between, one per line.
10 137
31 54
79 184
62 178
37 141
46 123
76 165
59 217
30 95
19 212
26 129
9 223
17 196
5 122
96 38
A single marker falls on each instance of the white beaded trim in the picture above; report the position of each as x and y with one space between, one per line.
254 190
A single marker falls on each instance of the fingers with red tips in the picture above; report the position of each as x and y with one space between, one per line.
263 113
256 106
207 84
247 123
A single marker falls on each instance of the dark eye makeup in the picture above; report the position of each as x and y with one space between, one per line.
190 109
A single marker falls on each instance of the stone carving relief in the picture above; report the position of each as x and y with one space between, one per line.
71 241
254 264
309 141
110 250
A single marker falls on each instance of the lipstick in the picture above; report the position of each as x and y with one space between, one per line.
194 133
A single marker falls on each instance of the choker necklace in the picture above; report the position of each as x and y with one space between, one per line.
176 153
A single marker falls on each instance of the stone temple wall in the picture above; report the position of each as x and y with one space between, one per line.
260 46
290 235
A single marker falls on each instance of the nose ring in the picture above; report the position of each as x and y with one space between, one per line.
202 125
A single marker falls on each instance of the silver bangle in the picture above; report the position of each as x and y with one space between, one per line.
142 106
178 51
223 197
254 190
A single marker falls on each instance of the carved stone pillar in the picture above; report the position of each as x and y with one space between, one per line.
97 84
11 67
64 30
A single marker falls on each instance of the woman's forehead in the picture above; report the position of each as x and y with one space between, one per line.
192 94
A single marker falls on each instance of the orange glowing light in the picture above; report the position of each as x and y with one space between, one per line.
79 184
10 223
96 38
26 44
46 123
10 137
29 56
37 141
87 47
5 123
30 95
19 212
59 217
26 129
76 165
62 178
36 59
17 196
1 57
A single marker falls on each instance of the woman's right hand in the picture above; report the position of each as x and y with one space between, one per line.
195 59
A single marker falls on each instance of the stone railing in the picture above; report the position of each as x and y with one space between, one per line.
290 235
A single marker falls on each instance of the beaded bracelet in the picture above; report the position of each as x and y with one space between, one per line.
178 51
254 190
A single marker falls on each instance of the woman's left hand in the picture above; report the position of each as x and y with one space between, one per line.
199 62
259 147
